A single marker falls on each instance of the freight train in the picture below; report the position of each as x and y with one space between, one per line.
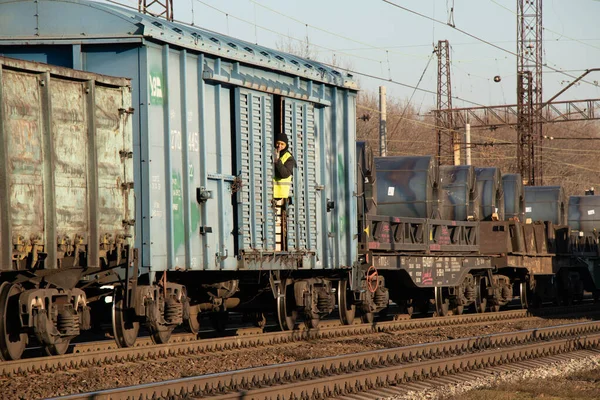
155 192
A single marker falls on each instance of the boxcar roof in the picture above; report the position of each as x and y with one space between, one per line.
65 21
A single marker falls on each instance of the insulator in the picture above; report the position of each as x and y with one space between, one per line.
173 311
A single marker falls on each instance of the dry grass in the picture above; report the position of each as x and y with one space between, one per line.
582 385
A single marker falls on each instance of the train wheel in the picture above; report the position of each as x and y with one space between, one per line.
286 310
480 299
442 304
57 349
161 337
192 325
219 320
125 326
12 340
347 310
367 318
409 306
523 294
260 320
312 323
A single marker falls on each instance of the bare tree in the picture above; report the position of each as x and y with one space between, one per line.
300 48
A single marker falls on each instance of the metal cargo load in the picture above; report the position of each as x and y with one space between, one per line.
458 198
67 173
584 214
490 193
407 186
545 203
365 178
514 197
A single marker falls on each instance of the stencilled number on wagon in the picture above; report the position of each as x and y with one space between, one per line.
155 183
193 142
175 140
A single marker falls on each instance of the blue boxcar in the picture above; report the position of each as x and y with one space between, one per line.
207 114
207 109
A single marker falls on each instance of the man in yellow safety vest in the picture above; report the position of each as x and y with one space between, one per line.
284 167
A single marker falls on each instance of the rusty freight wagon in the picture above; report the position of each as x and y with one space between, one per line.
208 108
67 202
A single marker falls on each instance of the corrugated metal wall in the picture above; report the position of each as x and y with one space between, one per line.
206 122
65 177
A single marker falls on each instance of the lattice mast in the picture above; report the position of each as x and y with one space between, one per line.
447 140
157 8
529 90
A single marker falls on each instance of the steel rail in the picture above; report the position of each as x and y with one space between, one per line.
334 376
106 352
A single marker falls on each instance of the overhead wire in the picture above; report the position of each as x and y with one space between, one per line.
279 33
411 96
370 46
495 140
474 37
367 75
360 42
547 29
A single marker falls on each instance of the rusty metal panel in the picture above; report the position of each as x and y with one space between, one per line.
495 237
69 135
113 141
23 122
66 168
541 238
536 265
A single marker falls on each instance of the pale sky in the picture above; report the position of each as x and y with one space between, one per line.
376 38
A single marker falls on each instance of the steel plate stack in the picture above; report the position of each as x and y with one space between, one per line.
407 186
365 178
514 197
490 193
584 213
545 203
458 198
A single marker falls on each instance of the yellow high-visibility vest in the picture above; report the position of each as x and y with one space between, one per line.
281 187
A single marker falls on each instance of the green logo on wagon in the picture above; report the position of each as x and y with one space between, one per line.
157 90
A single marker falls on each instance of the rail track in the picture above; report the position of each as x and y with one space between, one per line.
106 352
372 370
